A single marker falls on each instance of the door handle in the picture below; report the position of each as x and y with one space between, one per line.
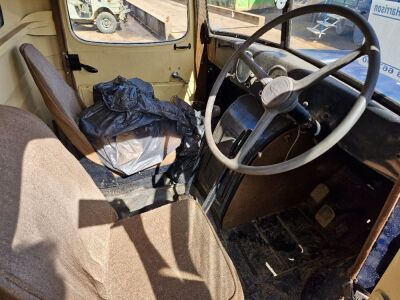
74 64
176 47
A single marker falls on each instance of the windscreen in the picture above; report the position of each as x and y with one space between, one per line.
324 37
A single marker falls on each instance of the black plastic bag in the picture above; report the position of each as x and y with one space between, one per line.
131 130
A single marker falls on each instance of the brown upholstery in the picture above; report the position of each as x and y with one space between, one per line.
176 253
59 239
43 252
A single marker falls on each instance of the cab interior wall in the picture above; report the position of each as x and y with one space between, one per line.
21 25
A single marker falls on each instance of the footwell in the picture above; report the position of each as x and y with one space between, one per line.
285 256
289 255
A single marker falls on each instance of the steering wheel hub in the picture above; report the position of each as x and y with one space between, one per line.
278 94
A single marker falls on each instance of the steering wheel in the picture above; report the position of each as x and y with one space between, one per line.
280 95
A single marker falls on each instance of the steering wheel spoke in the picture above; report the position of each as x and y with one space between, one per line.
327 70
258 72
264 122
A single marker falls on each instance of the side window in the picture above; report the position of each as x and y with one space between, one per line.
245 17
1 18
128 21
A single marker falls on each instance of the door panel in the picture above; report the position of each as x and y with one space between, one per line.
152 62
388 285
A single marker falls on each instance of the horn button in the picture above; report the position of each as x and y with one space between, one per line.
279 94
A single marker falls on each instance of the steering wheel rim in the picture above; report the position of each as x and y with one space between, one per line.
370 47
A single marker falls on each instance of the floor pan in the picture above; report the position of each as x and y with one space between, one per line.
286 256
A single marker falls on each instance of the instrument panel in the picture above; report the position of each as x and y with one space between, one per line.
243 72
277 71
245 76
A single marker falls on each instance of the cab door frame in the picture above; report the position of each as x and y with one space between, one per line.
152 62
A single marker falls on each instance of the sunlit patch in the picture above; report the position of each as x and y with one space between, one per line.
181 275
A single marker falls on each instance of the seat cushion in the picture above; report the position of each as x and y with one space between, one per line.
59 238
54 221
170 253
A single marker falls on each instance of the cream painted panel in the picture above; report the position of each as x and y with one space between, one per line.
151 62
388 286
17 87
15 10
163 91
25 22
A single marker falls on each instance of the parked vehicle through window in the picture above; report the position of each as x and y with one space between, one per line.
128 21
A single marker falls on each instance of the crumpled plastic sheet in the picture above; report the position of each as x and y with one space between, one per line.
132 130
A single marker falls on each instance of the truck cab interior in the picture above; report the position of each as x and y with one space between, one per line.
293 191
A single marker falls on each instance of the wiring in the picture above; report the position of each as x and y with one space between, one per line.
294 143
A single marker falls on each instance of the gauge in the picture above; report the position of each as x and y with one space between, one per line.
277 71
243 71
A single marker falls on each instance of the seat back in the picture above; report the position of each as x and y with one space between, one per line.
61 100
54 221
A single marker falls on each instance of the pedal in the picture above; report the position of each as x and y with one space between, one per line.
319 193
325 215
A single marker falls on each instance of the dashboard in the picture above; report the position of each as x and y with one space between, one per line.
374 140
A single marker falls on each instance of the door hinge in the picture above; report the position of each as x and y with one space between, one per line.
74 64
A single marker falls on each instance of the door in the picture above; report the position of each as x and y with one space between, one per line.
152 40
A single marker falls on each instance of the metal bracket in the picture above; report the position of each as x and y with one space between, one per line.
176 76
74 64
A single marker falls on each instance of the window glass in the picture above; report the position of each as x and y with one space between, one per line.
326 37
128 21
244 17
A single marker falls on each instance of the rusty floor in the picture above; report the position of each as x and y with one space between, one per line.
289 255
